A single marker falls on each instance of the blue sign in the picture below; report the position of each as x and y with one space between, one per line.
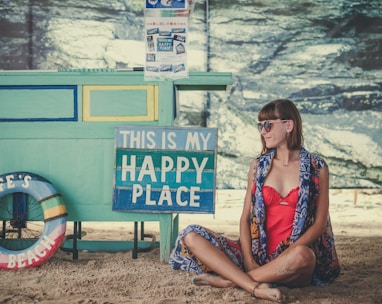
165 169
166 4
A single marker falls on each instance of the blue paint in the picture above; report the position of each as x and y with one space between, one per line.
123 202
164 169
188 180
192 139
72 103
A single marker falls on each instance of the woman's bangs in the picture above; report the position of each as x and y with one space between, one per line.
267 113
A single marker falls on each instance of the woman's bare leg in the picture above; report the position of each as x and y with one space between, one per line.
262 291
217 261
293 268
212 280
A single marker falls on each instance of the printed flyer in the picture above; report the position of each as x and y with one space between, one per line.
166 28
166 4
166 55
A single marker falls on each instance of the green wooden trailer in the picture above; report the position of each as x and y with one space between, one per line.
60 127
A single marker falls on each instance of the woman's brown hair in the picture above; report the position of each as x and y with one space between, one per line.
283 109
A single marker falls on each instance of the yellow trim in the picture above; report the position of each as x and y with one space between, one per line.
151 103
54 212
156 94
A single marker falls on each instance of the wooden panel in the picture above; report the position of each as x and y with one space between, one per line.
120 103
161 169
38 103
78 158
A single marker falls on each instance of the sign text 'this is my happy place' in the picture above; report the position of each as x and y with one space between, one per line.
165 169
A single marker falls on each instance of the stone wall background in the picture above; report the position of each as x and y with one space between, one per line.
325 55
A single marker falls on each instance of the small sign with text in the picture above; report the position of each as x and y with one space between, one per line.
165 169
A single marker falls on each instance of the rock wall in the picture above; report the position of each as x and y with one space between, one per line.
325 55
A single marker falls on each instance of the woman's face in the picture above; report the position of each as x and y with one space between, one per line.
274 132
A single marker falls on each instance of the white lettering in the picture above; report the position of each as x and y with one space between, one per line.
171 139
165 195
147 169
137 192
166 166
134 140
124 140
40 253
205 140
138 139
11 261
26 258
199 169
21 260
148 196
168 140
31 256
128 168
194 197
192 142
10 183
27 178
179 196
151 139
182 165
47 242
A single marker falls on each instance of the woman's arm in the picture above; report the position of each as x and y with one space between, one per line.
312 234
245 231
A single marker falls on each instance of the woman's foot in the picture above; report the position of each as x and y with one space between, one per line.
265 292
211 280
262 291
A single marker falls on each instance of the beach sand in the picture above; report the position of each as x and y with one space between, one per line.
117 278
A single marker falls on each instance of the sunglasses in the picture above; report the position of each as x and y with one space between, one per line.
267 125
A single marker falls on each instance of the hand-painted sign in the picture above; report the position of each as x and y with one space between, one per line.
165 169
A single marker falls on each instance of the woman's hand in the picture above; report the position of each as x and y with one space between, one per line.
250 265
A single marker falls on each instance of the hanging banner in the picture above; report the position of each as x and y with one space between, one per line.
166 28
165 169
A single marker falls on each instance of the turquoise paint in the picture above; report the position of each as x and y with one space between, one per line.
118 103
190 138
38 103
165 169
78 157
157 157
187 180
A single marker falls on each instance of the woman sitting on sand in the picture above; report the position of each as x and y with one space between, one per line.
285 231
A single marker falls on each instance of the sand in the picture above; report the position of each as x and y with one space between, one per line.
117 278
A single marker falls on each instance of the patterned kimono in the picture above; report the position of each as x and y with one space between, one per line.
327 265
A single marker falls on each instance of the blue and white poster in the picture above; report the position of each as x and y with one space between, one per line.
165 169
166 29
166 4
166 47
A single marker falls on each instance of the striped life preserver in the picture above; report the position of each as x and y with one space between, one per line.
54 211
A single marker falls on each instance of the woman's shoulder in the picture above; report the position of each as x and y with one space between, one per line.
254 164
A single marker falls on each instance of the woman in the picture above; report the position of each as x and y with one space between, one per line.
285 232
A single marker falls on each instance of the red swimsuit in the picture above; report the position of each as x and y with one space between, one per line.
279 215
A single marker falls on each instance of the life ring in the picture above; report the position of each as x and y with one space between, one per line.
54 213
